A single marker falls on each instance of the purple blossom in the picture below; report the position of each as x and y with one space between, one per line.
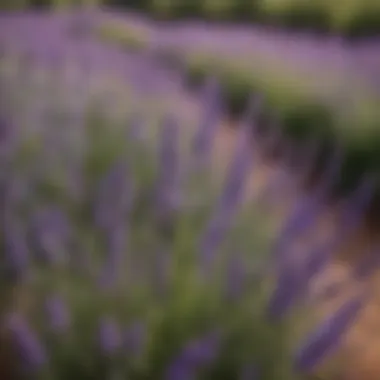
168 186
196 355
287 289
236 275
57 313
293 280
109 335
326 339
212 240
136 130
114 197
28 346
228 203
16 250
237 175
303 216
52 231
204 137
116 246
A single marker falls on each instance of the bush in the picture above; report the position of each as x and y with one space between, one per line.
217 9
366 23
297 15
163 9
125 37
131 258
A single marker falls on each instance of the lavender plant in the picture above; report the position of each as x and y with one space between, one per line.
122 258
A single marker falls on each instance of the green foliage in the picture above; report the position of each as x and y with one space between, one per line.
217 9
300 115
297 15
125 37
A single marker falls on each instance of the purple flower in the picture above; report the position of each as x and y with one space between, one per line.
229 201
136 129
287 289
16 251
202 351
114 197
236 275
169 175
110 336
237 175
196 355
204 137
212 239
51 231
293 280
303 216
57 313
327 337
32 353
116 245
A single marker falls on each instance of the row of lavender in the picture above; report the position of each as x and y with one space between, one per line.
320 90
122 257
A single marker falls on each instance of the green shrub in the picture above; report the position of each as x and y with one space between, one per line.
301 115
130 38
297 14
117 274
365 23
163 9
217 9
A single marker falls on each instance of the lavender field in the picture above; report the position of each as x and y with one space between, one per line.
142 239
319 88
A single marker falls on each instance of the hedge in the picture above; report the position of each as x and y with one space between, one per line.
353 18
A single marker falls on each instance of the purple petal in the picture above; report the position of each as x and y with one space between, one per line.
327 337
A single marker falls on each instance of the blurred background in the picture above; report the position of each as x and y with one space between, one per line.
139 138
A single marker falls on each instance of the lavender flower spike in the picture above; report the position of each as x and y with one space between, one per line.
110 338
57 313
169 169
229 201
196 354
204 137
327 338
31 352
237 175
16 251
